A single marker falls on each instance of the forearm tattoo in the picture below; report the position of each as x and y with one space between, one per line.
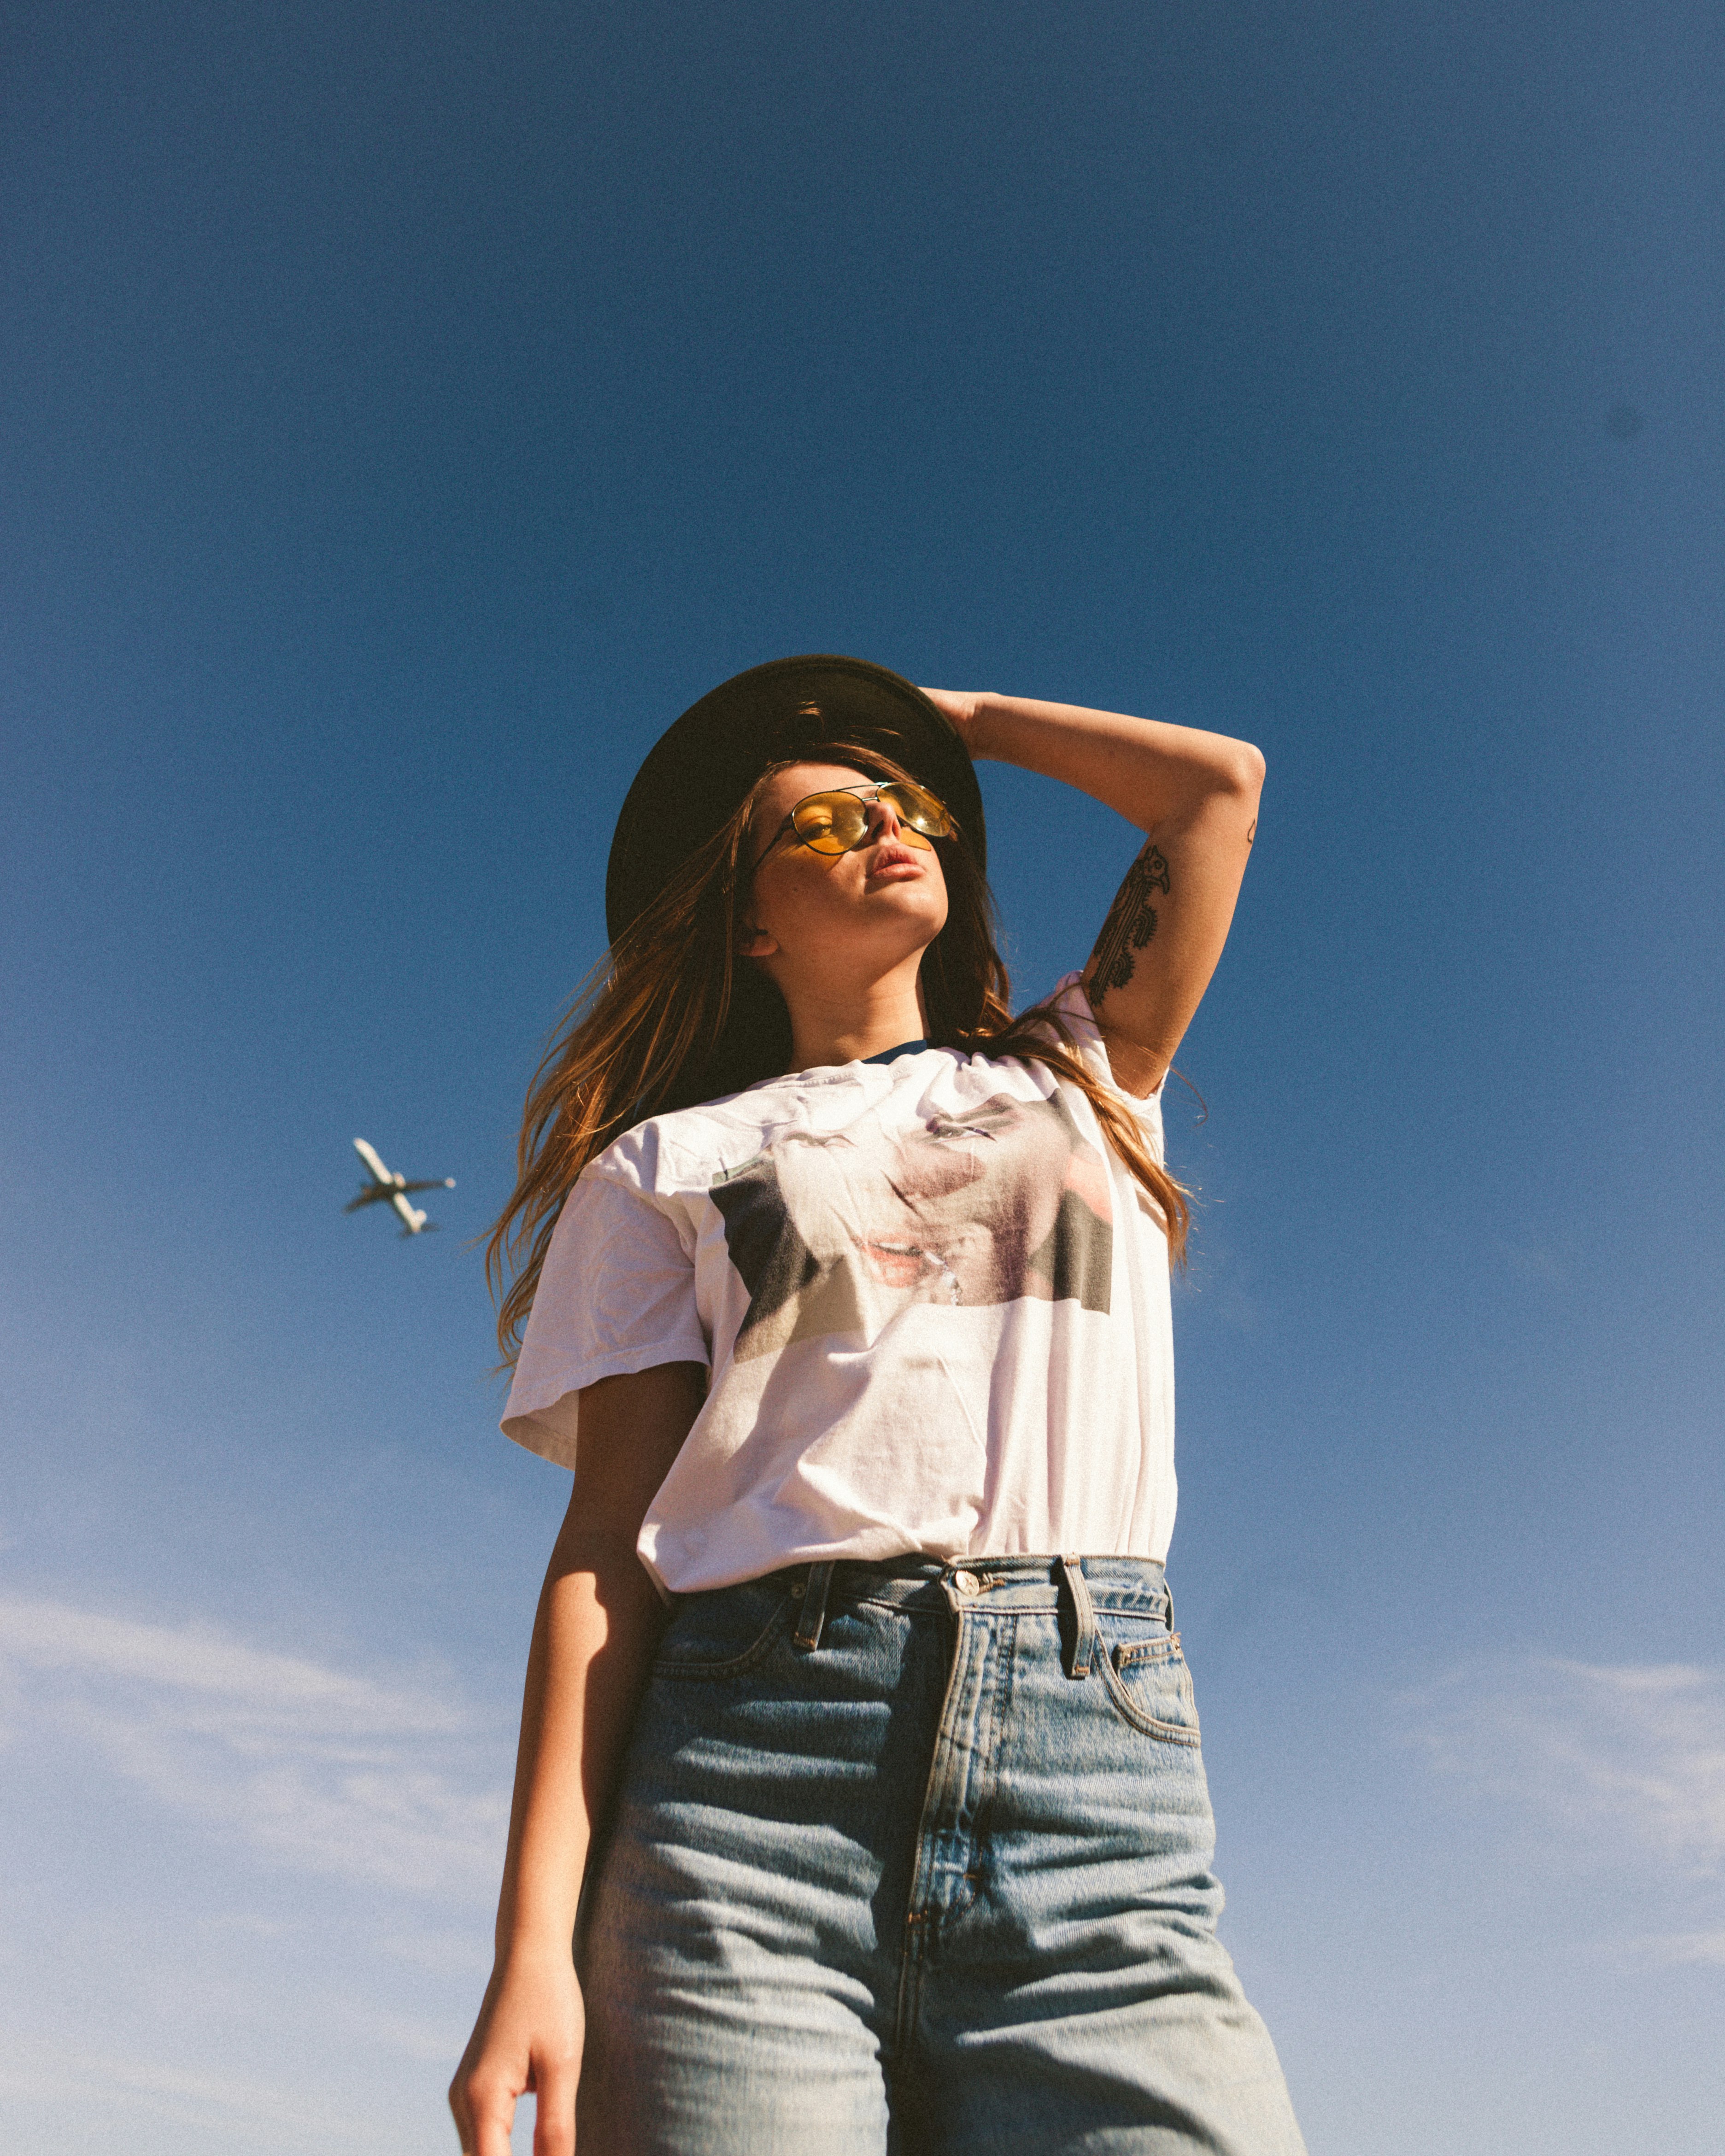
1131 924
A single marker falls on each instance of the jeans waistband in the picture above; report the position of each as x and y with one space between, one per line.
1023 1583
1075 1586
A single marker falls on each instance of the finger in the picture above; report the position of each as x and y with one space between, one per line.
459 2112
490 2111
554 2122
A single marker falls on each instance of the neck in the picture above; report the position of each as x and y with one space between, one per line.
847 1022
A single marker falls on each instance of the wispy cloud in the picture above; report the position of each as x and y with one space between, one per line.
1629 1753
247 2112
326 1770
1682 1949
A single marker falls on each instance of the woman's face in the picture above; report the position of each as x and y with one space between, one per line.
822 916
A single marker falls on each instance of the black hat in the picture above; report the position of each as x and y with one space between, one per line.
701 768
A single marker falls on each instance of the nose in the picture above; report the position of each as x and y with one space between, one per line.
886 824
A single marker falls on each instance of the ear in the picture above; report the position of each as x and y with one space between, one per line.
755 943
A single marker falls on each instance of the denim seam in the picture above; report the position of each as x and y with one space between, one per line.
1139 1654
1166 1731
965 1788
916 1914
998 1633
1006 1640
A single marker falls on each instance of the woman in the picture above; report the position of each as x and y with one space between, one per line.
846 1299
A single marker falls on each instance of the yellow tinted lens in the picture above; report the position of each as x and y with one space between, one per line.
920 810
830 823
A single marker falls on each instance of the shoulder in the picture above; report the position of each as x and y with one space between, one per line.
1108 1060
687 1149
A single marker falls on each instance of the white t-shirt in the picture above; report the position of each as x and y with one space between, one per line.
932 1301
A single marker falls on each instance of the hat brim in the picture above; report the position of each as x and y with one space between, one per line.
701 768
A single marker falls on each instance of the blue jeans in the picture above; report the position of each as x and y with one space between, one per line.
914 1857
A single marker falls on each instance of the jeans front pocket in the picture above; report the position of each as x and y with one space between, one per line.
1148 1679
726 1630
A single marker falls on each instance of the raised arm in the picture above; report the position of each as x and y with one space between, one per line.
1194 796
594 1637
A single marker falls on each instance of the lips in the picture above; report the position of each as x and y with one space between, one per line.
897 857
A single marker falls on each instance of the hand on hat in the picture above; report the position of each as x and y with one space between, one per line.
960 705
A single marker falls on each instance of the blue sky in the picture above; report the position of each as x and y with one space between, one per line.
407 413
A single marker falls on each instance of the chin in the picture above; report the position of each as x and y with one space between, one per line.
919 894
884 938
921 923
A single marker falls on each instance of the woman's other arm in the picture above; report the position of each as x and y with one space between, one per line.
1194 796
593 1637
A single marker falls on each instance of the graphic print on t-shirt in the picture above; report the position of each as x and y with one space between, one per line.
835 1234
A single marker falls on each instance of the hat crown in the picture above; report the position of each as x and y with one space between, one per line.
702 767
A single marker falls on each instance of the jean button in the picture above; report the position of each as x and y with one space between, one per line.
966 1582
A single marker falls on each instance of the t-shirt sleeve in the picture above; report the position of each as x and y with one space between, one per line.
616 1294
1070 999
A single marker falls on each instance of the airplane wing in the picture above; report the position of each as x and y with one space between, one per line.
437 1182
369 1196
368 1155
412 1220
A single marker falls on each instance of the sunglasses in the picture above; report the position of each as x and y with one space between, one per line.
834 822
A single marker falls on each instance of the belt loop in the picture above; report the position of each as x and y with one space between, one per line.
1084 1617
812 1620
1168 1594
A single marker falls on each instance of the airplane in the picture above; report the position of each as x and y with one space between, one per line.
395 1188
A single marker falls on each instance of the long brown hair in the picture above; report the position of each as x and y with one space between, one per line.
669 1018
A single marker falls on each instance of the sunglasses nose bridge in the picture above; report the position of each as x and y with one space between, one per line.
881 818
